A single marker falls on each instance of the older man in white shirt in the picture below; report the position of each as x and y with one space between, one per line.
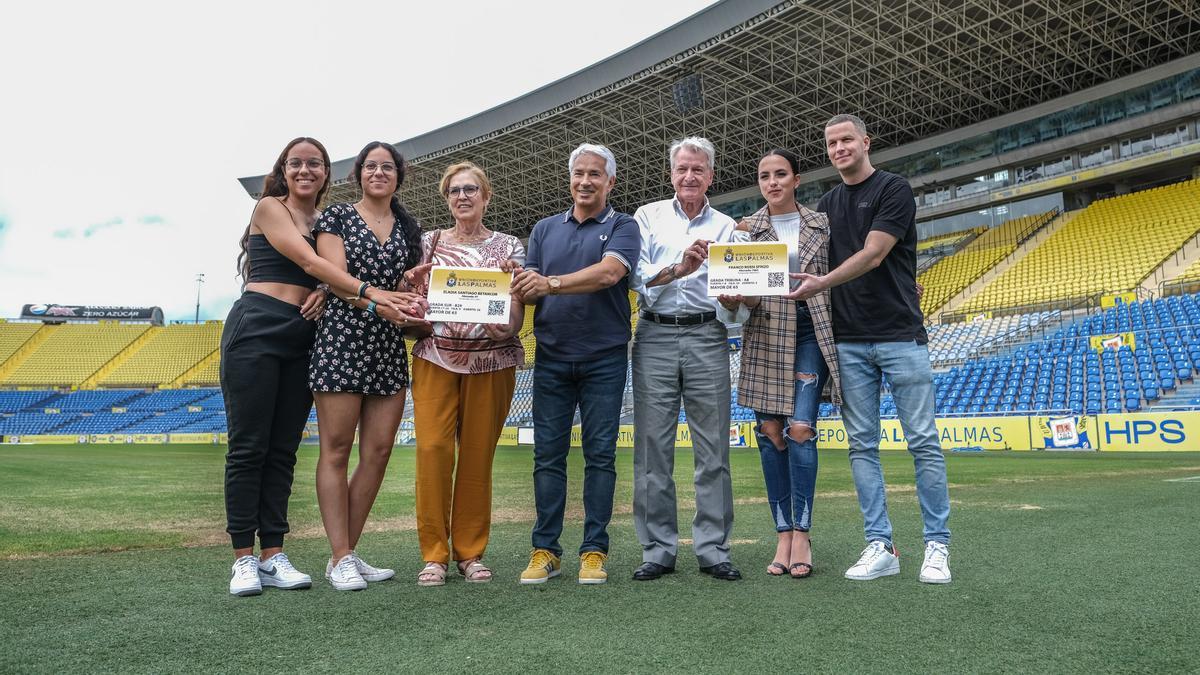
681 351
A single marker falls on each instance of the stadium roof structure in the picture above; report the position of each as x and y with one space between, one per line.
755 74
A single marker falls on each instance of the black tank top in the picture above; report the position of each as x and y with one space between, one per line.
268 264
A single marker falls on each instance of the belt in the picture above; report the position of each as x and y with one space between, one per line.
683 320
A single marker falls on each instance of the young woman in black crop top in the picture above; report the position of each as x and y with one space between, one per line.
264 360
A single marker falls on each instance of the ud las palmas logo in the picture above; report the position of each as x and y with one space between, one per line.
728 255
452 280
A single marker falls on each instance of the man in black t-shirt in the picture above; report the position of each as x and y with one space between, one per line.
879 330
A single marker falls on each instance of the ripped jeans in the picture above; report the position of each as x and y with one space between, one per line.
791 474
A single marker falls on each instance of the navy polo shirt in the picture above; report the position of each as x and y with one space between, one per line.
585 326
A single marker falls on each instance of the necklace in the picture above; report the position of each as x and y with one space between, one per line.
483 235
362 209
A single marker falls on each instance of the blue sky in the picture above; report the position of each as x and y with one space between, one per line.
125 125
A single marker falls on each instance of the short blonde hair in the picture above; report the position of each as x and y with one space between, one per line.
485 186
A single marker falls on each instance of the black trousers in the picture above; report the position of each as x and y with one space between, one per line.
264 378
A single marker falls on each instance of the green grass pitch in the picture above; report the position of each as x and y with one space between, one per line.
113 558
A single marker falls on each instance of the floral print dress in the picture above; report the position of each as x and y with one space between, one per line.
355 350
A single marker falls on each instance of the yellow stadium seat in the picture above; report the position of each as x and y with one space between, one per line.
951 275
72 353
166 355
1110 247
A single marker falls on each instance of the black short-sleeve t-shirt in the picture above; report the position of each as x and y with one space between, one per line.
881 305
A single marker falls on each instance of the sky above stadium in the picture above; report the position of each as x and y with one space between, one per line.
125 126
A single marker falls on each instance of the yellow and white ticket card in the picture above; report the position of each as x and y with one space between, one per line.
747 268
468 295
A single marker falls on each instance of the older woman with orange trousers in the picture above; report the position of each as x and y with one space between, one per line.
463 376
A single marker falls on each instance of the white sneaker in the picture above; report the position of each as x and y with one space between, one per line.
278 572
245 577
936 568
371 573
344 575
876 561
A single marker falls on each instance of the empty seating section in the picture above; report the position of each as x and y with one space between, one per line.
947 240
168 399
956 342
23 423
17 401
1190 273
207 376
107 411
951 275
166 355
72 353
1063 372
13 335
1110 246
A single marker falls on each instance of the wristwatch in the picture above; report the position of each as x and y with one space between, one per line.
555 284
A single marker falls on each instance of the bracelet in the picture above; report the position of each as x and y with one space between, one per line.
371 307
362 289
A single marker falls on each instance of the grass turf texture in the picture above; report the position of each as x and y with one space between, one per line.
112 558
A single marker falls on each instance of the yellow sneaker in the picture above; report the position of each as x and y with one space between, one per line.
591 567
543 565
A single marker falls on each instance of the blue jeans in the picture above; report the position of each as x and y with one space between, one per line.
791 474
906 365
597 388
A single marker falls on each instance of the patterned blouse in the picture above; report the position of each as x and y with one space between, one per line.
465 347
356 351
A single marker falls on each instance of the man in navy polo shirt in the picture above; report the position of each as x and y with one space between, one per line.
577 272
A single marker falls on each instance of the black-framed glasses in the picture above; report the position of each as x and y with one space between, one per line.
464 190
386 167
313 164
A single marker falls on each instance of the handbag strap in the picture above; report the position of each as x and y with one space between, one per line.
437 235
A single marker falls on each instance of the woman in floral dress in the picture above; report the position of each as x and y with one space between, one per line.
359 370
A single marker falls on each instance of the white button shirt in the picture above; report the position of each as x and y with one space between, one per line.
666 233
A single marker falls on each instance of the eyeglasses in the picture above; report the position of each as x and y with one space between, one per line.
464 190
313 164
387 168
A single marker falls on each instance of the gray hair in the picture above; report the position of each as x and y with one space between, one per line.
695 144
610 162
859 125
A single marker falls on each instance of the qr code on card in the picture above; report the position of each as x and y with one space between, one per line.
496 308
774 279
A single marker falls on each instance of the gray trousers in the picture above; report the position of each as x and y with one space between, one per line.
692 362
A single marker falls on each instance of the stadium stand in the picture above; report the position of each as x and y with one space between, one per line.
31 423
206 374
168 353
72 352
1065 373
951 275
956 342
13 336
1109 247
951 240
19 401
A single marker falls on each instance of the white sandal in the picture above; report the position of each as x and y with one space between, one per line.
433 574
475 572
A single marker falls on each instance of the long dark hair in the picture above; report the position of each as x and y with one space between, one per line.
275 185
408 224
